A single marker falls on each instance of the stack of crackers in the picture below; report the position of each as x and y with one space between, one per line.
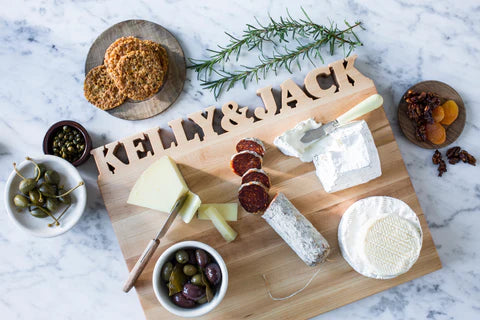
132 68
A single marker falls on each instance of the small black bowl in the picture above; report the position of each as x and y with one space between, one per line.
48 140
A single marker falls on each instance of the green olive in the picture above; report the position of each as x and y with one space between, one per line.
181 256
52 204
47 189
197 280
20 201
37 212
36 198
167 271
52 177
26 185
202 300
189 270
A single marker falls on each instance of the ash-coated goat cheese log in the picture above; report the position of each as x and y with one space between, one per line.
296 230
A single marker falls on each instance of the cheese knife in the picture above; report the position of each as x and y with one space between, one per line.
152 246
371 103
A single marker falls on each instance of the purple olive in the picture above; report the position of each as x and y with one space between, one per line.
213 273
191 257
180 300
202 257
193 292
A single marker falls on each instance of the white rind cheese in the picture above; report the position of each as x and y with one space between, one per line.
347 157
289 142
296 231
380 237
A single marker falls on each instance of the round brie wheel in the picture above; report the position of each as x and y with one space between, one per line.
380 237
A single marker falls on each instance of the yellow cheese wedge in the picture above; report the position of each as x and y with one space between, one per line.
159 186
222 226
190 207
229 211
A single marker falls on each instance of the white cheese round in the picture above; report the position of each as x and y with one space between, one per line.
380 237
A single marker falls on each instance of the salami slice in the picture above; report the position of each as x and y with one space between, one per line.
296 231
256 175
251 144
244 160
253 197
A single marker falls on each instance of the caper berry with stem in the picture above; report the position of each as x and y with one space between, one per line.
36 197
26 184
38 213
52 204
21 201
48 190
52 177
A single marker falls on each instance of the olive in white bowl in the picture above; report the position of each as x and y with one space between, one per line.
194 266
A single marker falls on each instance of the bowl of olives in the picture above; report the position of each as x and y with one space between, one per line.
190 279
45 196
68 140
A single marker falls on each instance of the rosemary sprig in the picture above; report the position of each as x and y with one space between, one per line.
276 32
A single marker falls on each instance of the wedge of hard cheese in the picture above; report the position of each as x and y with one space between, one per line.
159 186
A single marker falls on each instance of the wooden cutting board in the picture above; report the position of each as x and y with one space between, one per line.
258 250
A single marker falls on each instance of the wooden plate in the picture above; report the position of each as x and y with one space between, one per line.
446 93
166 96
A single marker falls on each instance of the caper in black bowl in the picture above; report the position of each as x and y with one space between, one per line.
68 140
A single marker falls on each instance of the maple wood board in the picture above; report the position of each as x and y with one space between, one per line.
258 249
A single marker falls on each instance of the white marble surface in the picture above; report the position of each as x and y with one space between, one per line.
78 275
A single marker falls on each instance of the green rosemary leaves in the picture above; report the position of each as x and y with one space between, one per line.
309 37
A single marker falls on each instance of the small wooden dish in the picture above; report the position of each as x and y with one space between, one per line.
173 86
47 140
445 92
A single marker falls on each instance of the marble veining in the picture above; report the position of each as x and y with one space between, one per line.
79 275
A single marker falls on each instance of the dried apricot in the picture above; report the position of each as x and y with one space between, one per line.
438 114
436 133
450 109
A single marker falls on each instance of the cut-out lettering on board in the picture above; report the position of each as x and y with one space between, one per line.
341 76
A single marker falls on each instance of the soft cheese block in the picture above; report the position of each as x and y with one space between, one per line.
380 237
159 186
289 142
347 157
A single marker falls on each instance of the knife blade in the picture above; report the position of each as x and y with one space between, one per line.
153 245
369 104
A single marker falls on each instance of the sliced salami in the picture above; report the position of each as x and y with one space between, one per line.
251 144
256 175
253 197
244 160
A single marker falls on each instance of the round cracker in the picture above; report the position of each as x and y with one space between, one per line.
162 53
125 45
140 74
100 90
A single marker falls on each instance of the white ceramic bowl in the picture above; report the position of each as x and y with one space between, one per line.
161 291
69 178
